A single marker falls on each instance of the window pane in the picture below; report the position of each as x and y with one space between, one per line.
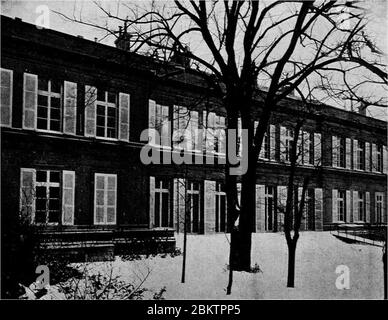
54 193
42 112
41 176
40 216
111 97
100 95
42 100
53 216
42 84
41 192
54 176
165 199
40 204
55 102
55 86
100 132
111 133
42 124
55 125
54 204
157 209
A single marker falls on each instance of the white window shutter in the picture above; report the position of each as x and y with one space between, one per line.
152 202
68 193
335 151
348 207
222 148
334 205
374 157
260 207
210 132
204 130
318 208
70 108
90 111
272 141
283 131
30 100
194 129
6 97
385 159
355 158
27 193
111 198
367 207
317 149
348 153
210 206
367 156
355 206
124 116
166 127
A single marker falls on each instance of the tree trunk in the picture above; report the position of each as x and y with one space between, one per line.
291 264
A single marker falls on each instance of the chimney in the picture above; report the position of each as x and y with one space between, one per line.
181 58
123 41
362 108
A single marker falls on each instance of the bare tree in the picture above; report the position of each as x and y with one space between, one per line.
285 46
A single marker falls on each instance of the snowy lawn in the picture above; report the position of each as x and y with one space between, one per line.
317 257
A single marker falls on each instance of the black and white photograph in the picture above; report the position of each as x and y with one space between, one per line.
211 151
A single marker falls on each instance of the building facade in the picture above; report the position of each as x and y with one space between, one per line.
73 115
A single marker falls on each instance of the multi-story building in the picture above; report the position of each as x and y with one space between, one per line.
72 116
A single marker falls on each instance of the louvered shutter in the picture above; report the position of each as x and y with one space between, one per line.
68 192
30 100
70 108
90 111
124 116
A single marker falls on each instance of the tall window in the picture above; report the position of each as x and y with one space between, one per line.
106 114
193 200
379 157
310 209
289 137
162 214
379 207
339 152
269 208
48 204
341 203
342 153
49 105
105 191
361 206
361 155
220 207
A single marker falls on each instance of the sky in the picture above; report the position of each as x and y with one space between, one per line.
31 11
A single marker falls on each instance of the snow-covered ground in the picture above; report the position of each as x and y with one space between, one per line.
318 255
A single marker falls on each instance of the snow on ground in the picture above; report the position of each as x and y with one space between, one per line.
317 257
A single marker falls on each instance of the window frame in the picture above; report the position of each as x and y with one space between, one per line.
163 190
106 104
341 205
49 94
